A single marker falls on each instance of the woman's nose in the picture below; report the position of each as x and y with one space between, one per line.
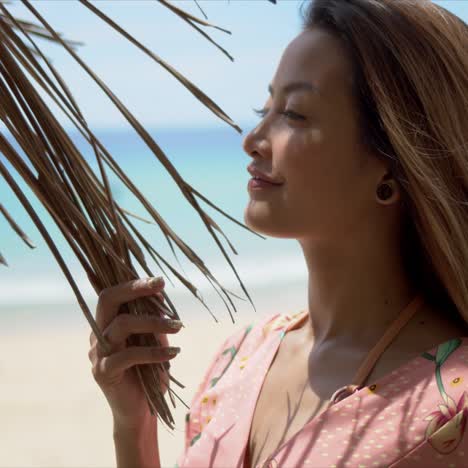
255 143
247 143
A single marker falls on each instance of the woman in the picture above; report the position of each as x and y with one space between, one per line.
364 136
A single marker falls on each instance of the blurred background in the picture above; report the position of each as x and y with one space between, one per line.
52 411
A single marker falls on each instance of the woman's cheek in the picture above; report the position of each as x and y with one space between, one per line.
315 136
311 139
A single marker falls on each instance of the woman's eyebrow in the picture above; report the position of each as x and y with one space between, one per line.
296 86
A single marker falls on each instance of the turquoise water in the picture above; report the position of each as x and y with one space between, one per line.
212 161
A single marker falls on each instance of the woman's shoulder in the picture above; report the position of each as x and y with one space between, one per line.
245 342
228 366
281 321
262 328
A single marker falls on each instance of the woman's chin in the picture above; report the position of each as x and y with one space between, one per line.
253 223
262 226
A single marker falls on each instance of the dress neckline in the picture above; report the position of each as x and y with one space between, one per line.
356 387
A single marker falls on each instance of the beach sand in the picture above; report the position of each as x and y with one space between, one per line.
55 415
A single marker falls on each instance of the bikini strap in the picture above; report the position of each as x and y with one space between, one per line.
374 354
390 334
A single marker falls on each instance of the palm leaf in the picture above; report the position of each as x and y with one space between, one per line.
16 228
200 8
192 20
80 202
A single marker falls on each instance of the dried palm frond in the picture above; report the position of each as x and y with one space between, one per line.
201 9
190 19
79 201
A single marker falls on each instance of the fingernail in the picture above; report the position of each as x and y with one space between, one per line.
172 350
174 324
156 282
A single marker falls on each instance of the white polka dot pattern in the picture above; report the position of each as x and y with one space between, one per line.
414 416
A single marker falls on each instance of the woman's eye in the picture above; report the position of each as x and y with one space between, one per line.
261 112
289 114
293 115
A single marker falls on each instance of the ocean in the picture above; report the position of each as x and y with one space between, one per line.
210 160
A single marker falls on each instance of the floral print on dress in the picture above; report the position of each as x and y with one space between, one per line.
280 322
448 423
207 407
233 350
381 425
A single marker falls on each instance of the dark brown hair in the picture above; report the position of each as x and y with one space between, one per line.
410 82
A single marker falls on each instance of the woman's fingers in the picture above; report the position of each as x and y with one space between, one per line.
122 389
92 336
112 367
125 325
110 299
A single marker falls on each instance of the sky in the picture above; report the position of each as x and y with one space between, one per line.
260 32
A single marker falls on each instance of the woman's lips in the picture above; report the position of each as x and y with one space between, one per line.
257 173
255 184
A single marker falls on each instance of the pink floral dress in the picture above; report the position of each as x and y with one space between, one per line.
413 417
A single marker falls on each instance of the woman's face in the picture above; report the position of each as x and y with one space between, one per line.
308 138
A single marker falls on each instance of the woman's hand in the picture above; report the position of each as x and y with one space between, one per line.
113 372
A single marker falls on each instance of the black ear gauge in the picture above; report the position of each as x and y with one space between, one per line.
384 191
